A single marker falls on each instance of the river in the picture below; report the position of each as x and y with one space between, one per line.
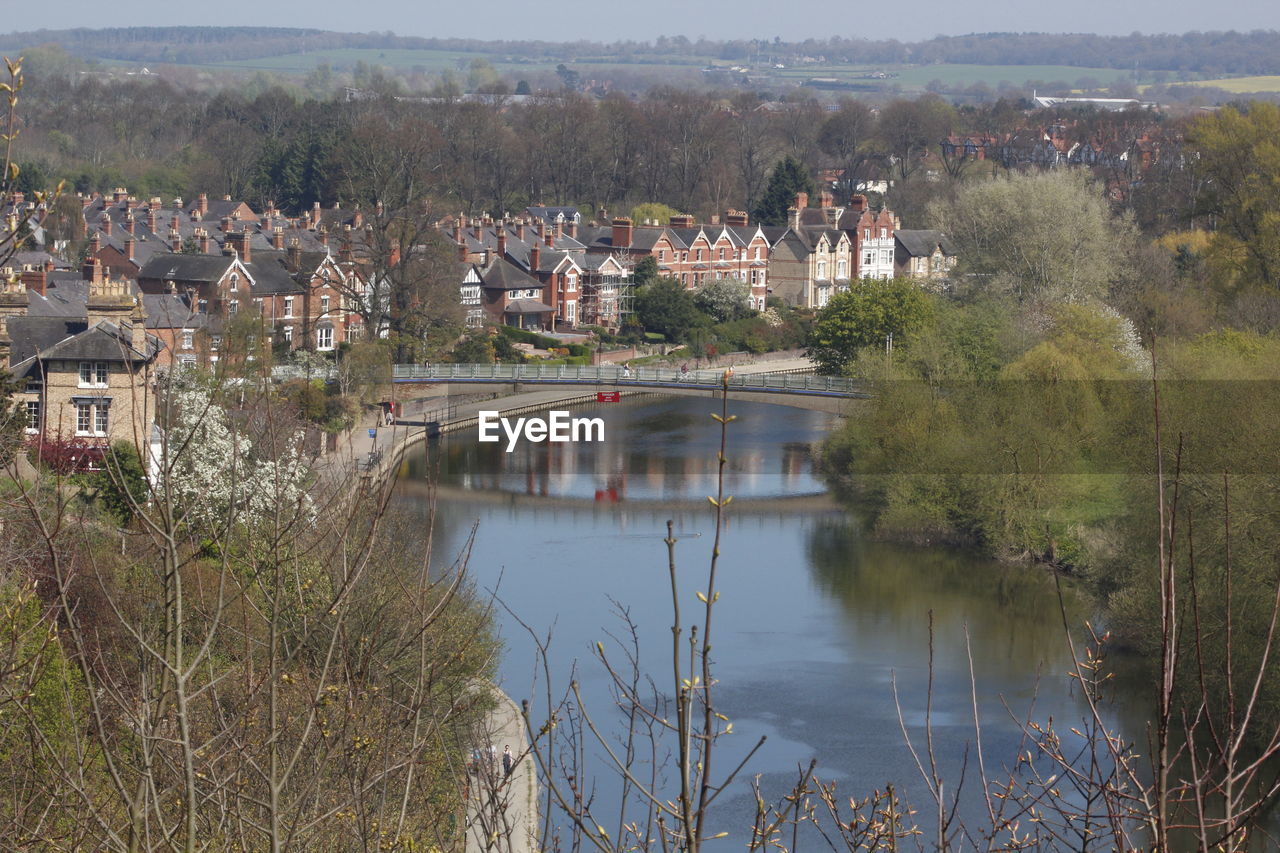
815 623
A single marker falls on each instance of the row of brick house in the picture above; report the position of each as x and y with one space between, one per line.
550 271
199 265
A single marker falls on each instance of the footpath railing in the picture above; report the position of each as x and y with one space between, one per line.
799 380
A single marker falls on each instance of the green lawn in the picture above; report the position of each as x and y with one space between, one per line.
346 58
918 76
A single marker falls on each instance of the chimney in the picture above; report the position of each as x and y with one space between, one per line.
550 237
128 248
344 252
793 217
175 238
128 222
621 233
735 218
92 268
357 219
177 203
95 246
49 265
602 216
573 230
152 224
322 234
826 199
226 225
295 253
239 240
35 279
119 194
457 231
271 209
502 242
858 203
520 230
226 197
138 325
535 258
315 214
110 300
462 253
802 200
277 238
202 204
476 230
18 197
155 203
681 221
559 230
105 223
203 236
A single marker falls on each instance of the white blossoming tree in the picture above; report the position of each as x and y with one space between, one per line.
212 473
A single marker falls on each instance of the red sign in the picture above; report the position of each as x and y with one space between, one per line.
608 396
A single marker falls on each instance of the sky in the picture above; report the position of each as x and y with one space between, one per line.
568 20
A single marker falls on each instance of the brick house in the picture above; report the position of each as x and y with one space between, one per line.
871 235
813 259
923 254
84 368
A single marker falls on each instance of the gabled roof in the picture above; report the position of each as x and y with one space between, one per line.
920 244
171 311
270 272
182 267
504 275
527 306
65 338
552 214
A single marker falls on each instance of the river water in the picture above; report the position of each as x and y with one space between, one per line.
815 623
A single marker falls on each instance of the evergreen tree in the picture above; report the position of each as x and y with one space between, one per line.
789 177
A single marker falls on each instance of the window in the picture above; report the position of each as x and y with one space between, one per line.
288 307
842 269
100 419
883 233
867 259
93 374
571 283
324 338
84 417
866 233
662 256
235 282
187 361
722 254
699 257
33 415
188 339
685 257
571 312
884 257
757 253
233 307
822 269
324 305
288 334
215 342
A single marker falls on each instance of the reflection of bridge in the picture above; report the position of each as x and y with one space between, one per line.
741 506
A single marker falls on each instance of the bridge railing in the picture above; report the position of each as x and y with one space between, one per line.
792 380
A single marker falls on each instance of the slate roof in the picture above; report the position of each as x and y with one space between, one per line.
549 214
504 275
180 267
920 244
271 274
527 306
63 297
71 339
171 311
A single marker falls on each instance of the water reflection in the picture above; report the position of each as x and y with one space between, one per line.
816 623
652 450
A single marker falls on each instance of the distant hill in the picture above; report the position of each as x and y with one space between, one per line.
1211 53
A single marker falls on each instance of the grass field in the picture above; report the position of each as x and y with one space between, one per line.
1244 85
908 77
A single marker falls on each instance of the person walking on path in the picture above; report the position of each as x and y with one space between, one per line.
508 762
